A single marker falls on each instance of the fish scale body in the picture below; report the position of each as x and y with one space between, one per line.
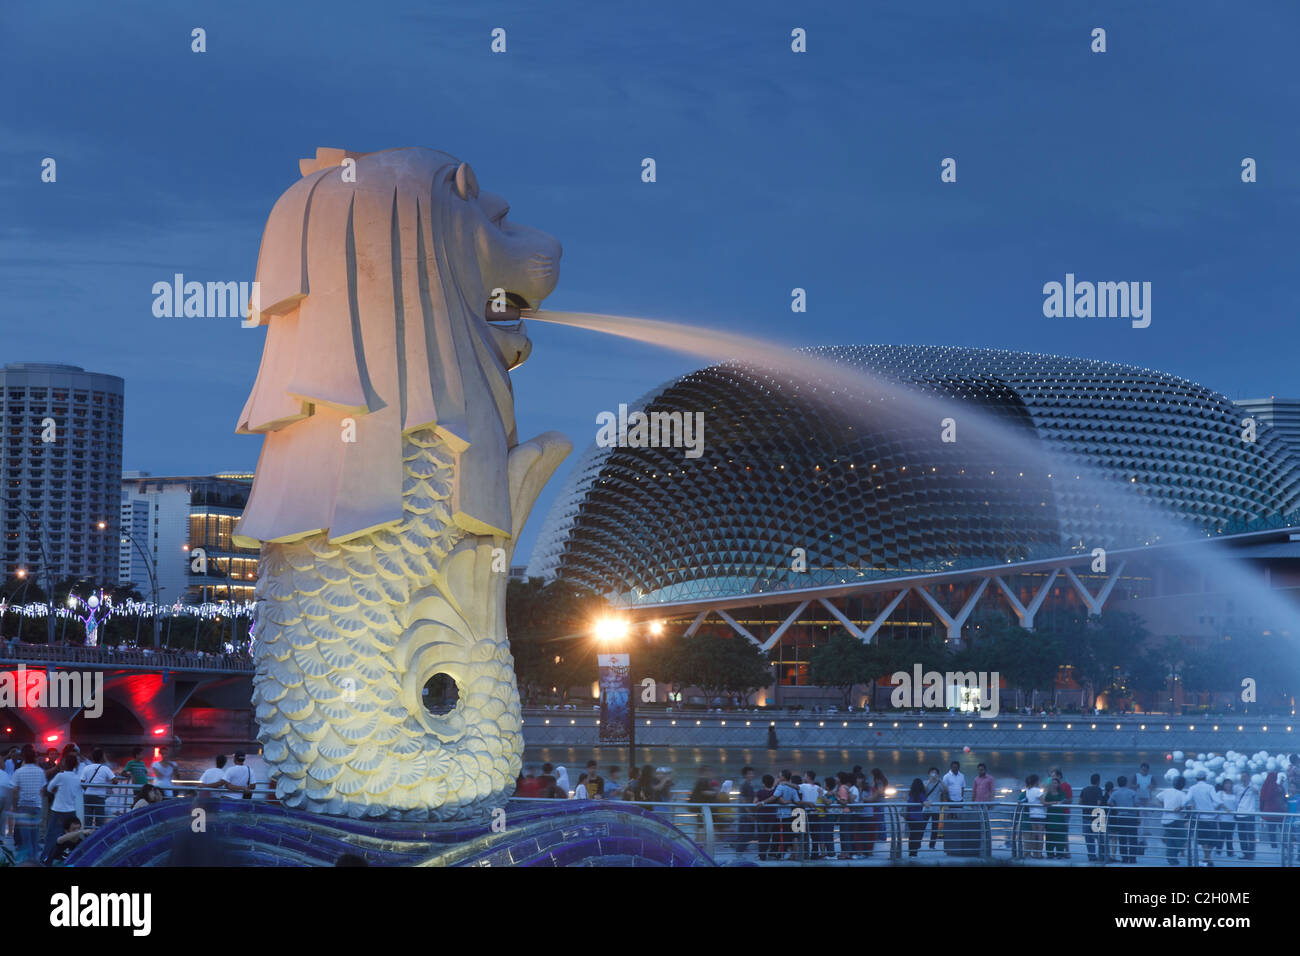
348 633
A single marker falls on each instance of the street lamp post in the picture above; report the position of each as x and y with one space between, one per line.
150 567
616 631
22 592
49 587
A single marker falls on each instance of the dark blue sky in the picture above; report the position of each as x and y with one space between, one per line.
775 170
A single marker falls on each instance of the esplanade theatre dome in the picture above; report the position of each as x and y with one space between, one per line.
869 490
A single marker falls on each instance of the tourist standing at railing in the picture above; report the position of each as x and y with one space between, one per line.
661 789
1058 823
933 797
954 784
96 777
785 797
1173 821
613 785
1225 800
1037 813
1068 791
65 793
645 784
1201 797
1146 797
1272 802
704 791
1247 821
982 786
766 817
6 801
29 785
135 768
214 778
810 799
1091 797
581 792
875 827
239 779
1123 824
164 768
745 831
914 815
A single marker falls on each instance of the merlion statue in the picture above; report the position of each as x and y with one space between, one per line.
391 485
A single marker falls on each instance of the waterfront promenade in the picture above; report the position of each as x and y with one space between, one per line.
580 727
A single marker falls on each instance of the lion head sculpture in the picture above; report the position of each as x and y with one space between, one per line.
391 485
374 280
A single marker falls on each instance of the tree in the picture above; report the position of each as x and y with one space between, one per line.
842 662
719 666
549 625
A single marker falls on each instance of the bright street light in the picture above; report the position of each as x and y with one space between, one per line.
611 629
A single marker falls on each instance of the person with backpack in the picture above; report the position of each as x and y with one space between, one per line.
239 779
96 778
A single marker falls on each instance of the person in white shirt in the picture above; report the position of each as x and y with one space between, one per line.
1037 817
1173 821
1226 797
65 787
1200 797
1247 821
581 791
29 781
239 779
164 769
954 783
214 778
96 776
6 798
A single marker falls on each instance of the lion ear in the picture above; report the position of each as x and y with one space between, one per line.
466 182
326 156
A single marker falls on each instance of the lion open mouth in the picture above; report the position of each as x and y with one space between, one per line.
509 318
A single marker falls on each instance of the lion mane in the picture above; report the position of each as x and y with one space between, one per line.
373 298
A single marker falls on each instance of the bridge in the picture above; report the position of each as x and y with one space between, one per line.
148 694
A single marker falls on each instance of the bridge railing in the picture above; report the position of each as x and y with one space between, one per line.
13 651
997 832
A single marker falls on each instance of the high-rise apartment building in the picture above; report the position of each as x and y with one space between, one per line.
61 462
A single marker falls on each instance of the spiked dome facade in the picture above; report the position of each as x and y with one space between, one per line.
867 491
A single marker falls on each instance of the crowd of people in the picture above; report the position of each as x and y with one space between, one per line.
49 803
790 815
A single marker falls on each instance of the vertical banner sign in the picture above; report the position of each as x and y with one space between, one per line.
615 698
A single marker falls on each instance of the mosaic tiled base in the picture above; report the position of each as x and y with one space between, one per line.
242 833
